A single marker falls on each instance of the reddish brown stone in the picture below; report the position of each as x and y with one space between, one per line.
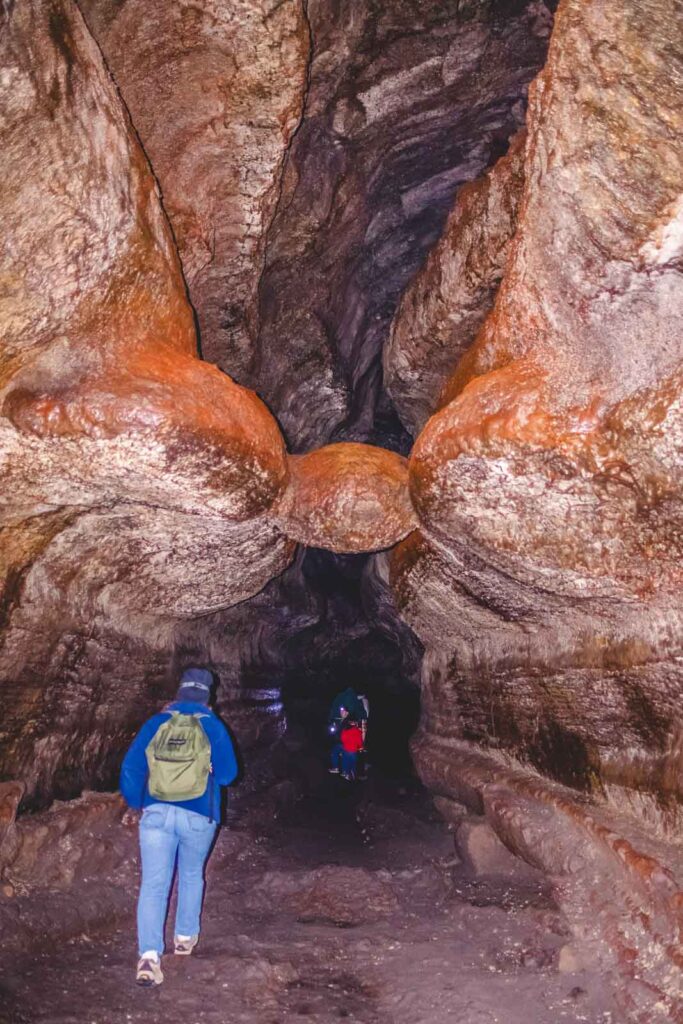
100 340
549 486
406 102
621 896
545 580
528 458
347 497
10 796
215 91
215 438
444 307
136 480
41 850
343 895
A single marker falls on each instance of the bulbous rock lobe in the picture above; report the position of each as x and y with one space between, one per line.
527 457
449 298
215 91
99 340
211 435
136 479
545 580
347 497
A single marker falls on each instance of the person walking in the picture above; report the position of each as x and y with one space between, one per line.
173 772
344 704
351 741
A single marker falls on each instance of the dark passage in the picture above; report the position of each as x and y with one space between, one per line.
357 642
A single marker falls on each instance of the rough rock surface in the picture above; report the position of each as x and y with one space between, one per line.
143 490
347 497
550 486
40 849
215 91
140 484
620 889
10 796
545 578
406 101
447 302
136 479
404 938
481 851
345 896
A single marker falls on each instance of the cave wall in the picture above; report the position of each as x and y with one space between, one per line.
141 486
128 499
548 484
446 303
545 577
147 499
215 91
405 102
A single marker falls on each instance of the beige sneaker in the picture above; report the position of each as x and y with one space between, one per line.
149 971
184 944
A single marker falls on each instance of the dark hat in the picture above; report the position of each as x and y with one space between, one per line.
195 684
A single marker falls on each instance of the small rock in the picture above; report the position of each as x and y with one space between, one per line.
577 992
569 961
482 852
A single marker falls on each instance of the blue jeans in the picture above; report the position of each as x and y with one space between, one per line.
348 761
166 833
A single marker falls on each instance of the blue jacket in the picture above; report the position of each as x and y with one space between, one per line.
133 781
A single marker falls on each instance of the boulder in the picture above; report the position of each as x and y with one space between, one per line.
347 497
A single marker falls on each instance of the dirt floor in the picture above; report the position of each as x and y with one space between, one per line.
350 907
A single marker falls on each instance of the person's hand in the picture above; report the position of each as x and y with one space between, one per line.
130 818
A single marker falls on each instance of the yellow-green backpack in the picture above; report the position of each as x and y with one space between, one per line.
179 758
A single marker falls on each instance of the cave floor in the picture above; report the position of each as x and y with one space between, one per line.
349 906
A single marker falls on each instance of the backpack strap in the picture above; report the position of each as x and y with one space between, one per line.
199 715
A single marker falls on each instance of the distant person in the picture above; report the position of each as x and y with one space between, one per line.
345 751
173 770
344 704
351 741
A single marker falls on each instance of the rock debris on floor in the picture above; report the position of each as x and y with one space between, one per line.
354 908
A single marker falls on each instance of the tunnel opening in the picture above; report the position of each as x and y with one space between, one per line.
328 622
350 646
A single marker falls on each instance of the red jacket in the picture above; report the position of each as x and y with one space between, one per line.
352 740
